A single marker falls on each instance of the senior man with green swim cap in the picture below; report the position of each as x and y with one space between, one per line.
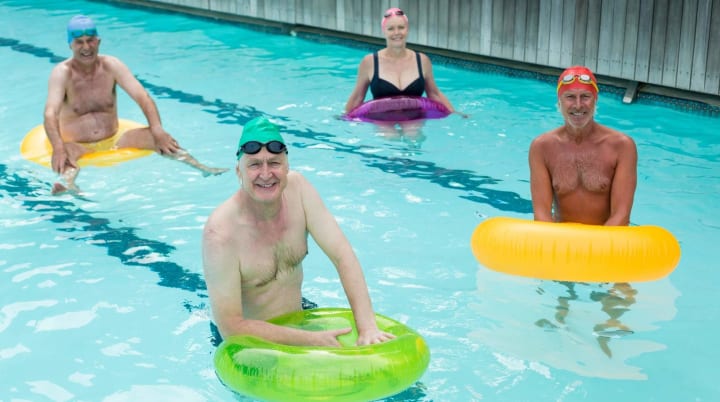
254 244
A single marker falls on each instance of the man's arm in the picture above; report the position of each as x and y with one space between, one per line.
327 234
222 278
624 183
51 119
540 183
164 142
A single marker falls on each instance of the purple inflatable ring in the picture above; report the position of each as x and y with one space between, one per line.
398 109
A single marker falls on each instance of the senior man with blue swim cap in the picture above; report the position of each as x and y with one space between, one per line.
81 109
254 244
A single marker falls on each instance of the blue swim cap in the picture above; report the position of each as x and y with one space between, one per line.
80 25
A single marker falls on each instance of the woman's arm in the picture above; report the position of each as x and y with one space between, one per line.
361 83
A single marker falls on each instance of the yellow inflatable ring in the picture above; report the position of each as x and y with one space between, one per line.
575 252
35 147
273 372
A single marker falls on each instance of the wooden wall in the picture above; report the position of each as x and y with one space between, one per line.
669 43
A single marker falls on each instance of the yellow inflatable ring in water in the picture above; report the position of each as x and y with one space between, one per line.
575 252
273 372
35 147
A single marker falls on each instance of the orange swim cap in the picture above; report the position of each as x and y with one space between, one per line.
577 77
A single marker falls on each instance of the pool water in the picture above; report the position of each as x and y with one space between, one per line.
103 296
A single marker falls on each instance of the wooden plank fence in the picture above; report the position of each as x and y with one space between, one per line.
667 43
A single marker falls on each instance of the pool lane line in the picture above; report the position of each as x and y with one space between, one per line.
475 186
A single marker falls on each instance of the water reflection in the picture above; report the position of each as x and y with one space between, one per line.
407 132
593 330
615 302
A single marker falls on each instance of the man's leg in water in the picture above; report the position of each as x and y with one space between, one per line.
143 139
74 152
69 177
185 157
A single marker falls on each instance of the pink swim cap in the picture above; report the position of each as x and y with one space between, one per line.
392 12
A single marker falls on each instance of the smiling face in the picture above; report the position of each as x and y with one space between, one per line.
577 106
85 48
395 30
263 175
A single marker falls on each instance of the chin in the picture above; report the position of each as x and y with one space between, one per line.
267 193
578 124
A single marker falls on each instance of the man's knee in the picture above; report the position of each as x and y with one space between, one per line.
136 138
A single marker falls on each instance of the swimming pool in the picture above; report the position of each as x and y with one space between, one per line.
103 296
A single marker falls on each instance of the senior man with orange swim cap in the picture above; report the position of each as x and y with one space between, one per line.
582 171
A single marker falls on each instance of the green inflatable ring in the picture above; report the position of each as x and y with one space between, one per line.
274 372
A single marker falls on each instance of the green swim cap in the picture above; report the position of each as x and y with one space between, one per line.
261 130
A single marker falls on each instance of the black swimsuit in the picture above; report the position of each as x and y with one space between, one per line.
381 88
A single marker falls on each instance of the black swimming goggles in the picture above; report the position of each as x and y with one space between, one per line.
253 147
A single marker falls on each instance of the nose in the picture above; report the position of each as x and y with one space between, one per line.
265 170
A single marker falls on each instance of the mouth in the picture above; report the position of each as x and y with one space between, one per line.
577 114
265 185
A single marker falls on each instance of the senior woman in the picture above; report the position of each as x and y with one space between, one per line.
395 70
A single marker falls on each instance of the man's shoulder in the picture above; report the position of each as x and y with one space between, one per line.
296 177
63 66
547 136
219 217
61 72
109 60
615 135
299 187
